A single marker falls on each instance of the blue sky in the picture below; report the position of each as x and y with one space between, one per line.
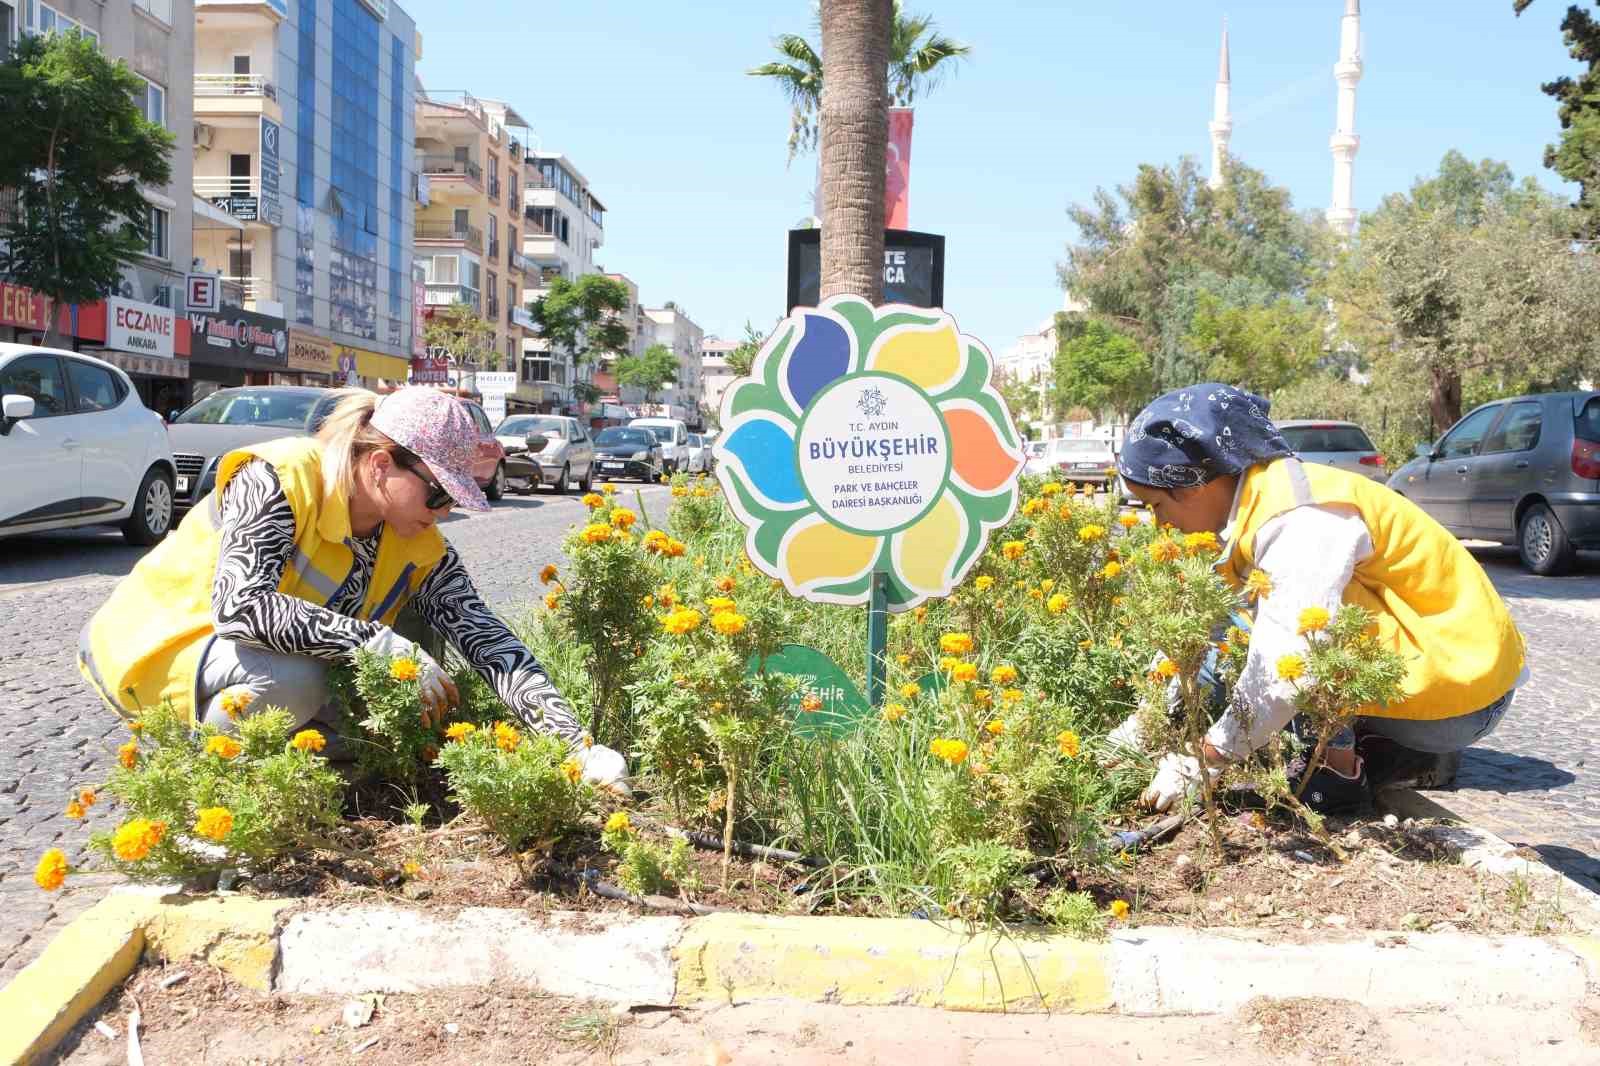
650 101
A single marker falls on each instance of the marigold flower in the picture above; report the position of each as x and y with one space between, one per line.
948 663
702 493
593 500
728 622
1165 550
1224 649
609 489
622 518
893 712
953 752
595 533
1291 667
1012 695
995 727
572 771
683 620
811 703
1090 533
1058 603
51 872
1067 743
308 740
982 697
552 600
1085 645
1235 635
74 810
1004 674
982 582
548 574
1312 620
87 797
619 822
136 726
1036 594
1118 601
1111 571
214 823
919 613
1033 507
964 671
679 491
223 747
1013 549
1050 488
725 583
134 839
719 603
910 690
902 659
128 754
675 547
235 701
1119 909
1258 584
1064 512
1125 857
1166 668
655 542
405 669
1127 521
1201 543
456 731
506 736
956 643
668 596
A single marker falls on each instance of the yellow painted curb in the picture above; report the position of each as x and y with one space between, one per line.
236 934
1589 948
877 961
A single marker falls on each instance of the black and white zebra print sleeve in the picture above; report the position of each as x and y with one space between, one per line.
257 542
450 603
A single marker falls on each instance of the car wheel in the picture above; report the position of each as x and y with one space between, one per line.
586 486
497 484
152 510
1542 542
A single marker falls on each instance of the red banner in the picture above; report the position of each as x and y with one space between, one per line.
897 170
23 307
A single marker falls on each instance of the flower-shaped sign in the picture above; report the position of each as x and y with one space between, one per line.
868 439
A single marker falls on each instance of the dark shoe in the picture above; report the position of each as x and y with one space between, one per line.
1390 765
1329 791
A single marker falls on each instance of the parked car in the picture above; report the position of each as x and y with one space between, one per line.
699 455
1524 470
1342 444
1081 460
78 448
627 451
673 436
547 450
234 418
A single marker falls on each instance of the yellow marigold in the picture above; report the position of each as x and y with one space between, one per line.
956 643
1119 909
668 596
683 620
134 839
982 582
1166 668
1064 512
459 730
506 736
953 752
1090 533
1111 570
308 740
235 701
1033 507
1036 594
1067 743
719 603
995 727
902 659
128 754
728 622
1125 857
1118 601
1312 620
572 770
964 671
1058 603
675 547
1201 543
1224 649
680 491
595 533
910 690
609 489
622 518
701 493
87 797
405 669
1291 667
1127 521
982 697
1047 584
811 703
552 600
919 613
1258 584
136 726
1050 488
725 583
1165 550
1085 644
51 873
222 747
1003 674
893 712
214 823
1012 695
548 574
593 500
948 663
655 541
1013 549
74 810
619 822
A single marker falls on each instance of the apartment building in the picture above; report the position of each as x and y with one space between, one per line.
563 227
305 182
715 373
672 328
469 223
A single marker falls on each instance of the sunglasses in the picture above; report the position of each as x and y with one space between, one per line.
438 496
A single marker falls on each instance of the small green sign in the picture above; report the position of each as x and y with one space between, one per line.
843 706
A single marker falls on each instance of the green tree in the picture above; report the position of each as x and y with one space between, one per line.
1261 347
919 57
583 317
744 356
1576 156
457 329
76 151
1101 369
652 369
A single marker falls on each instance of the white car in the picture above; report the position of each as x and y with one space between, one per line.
78 448
547 450
699 455
1085 460
673 436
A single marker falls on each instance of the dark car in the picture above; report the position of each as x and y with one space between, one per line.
624 452
1524 470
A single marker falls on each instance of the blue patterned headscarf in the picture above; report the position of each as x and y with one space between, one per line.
1194 435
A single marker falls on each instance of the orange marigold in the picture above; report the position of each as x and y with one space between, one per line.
223 747
405 669
214 823
51 873
308 740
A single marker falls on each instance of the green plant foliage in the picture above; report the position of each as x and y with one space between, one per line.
526 788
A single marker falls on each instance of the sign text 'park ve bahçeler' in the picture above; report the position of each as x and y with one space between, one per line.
868 439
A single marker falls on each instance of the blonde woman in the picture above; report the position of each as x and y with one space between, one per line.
305 552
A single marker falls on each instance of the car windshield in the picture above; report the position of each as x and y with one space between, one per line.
252 407
1327 439
619 435
660 433
1082 447
696 440
524 426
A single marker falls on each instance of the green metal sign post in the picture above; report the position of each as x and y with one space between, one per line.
877 638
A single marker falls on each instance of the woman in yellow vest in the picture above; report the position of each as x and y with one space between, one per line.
1207 458
305 552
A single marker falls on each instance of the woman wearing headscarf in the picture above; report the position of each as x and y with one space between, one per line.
1208 459
303 555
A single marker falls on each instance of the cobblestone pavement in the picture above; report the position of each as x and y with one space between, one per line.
55 735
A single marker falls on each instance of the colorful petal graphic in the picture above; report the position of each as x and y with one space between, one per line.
765 451
983 462
924 553
822 354
929 356
817 552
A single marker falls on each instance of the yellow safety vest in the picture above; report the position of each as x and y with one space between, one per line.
1433 603
146 644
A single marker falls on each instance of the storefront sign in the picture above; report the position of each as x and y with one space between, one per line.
372 365
494 386
348 374
23 307
149 365
202 292
310 353
140 328
430 370
271 207
419 318
236 337
243 208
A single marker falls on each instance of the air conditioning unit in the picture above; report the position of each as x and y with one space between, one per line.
202 134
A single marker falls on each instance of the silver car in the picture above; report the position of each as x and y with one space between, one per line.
1341 444
547 450
699 455
1082 460
234 418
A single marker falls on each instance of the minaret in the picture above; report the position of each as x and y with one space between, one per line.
1344 142
1221 115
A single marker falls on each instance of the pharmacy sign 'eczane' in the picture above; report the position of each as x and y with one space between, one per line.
868 439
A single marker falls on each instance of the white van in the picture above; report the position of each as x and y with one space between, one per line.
673 435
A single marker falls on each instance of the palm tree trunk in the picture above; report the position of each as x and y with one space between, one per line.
855 134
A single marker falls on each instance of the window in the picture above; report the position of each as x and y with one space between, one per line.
161 9
95 387
1518 431
443 269
38 377
152 102
45 19
1327 439
160 226
1464 439
8 27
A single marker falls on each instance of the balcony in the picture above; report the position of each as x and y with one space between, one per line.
520 317
234 85
239 96
450 233
494 188
518 262
448 167
249 288
441 294
239 197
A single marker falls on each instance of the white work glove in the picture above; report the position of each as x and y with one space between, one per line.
1176 776
439 693
606 768
1127 735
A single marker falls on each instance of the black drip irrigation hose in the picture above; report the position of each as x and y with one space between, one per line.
1134 839
712 842
591 880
